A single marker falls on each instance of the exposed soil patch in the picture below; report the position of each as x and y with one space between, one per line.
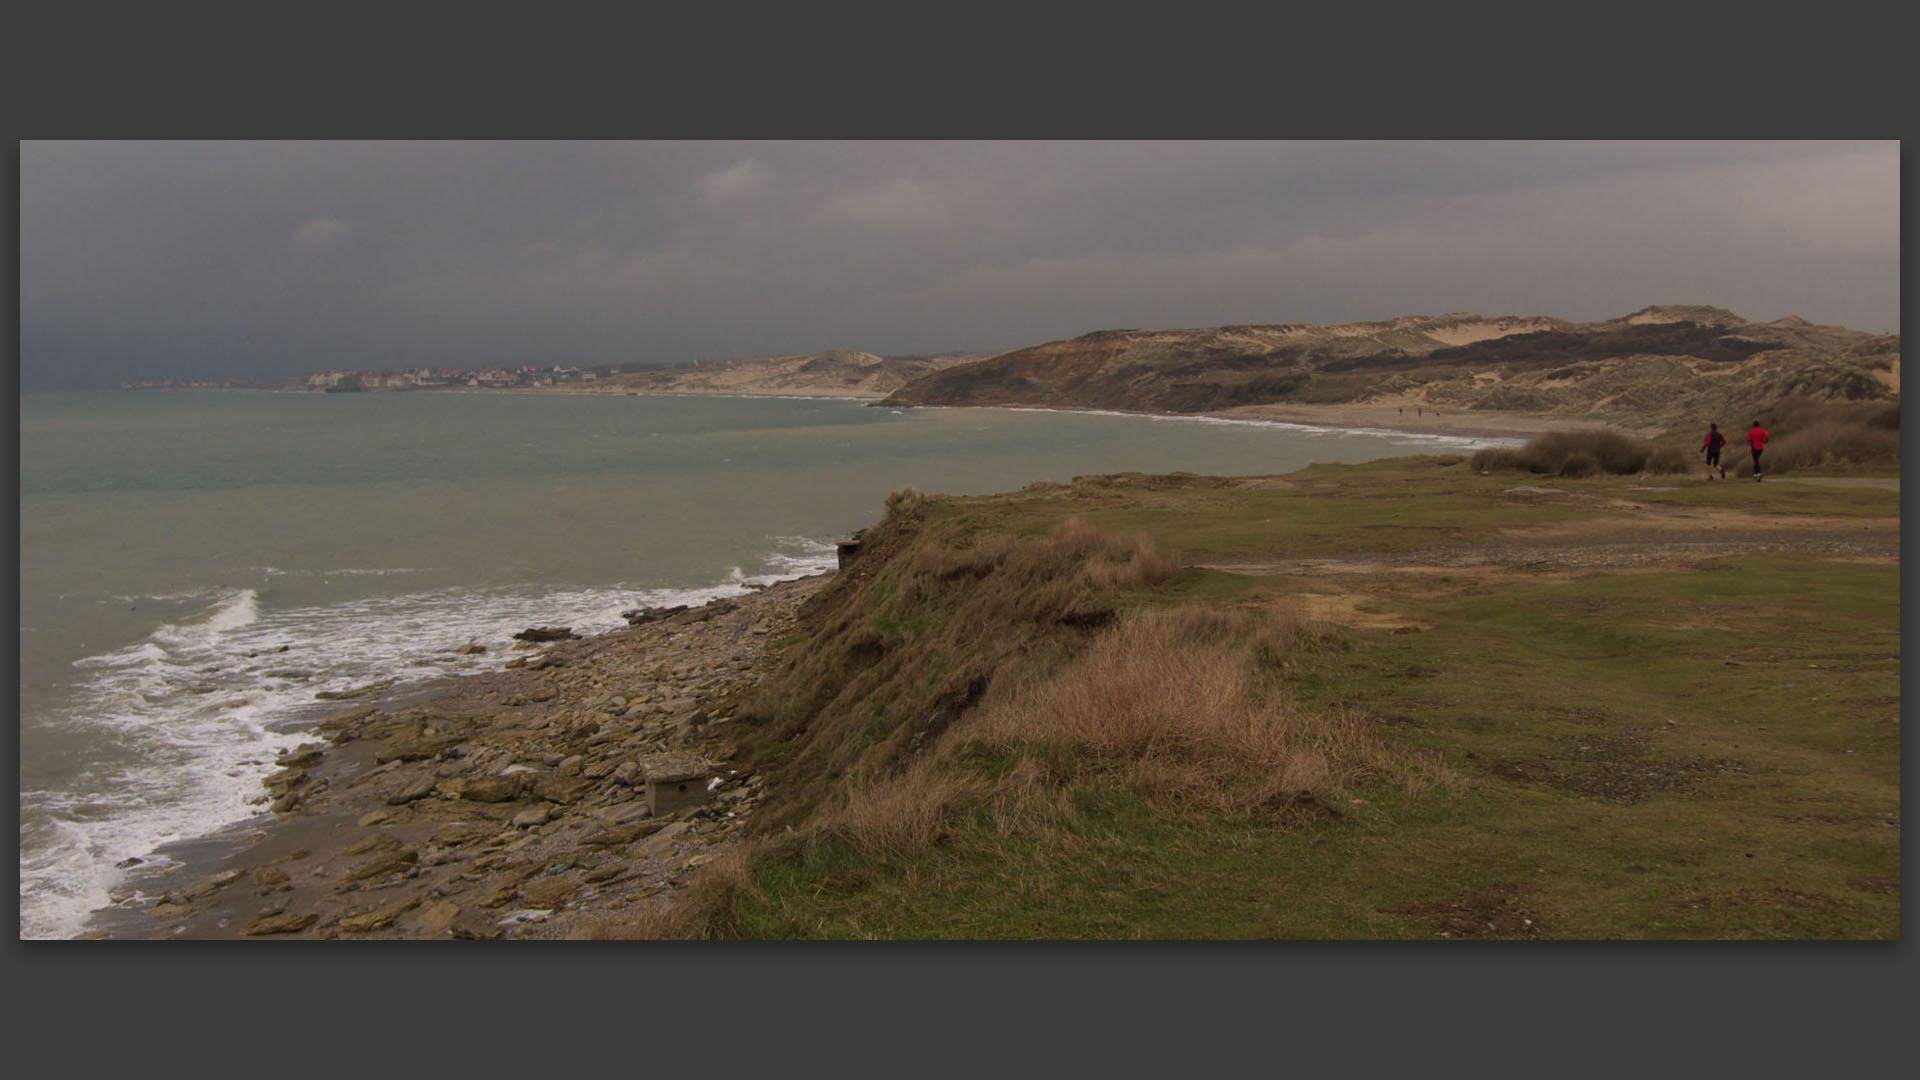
1343 609
1583 717
1497 912
1884 886
1615 767
1776 897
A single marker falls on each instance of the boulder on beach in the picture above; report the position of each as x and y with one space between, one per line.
546 633
339 695
378 918
493 789
417 748
279 922
304 754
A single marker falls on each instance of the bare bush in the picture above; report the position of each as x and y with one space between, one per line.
904 501
1139 563
1668 460
1579 464
1496 457
1584 453
1074 538
1833 442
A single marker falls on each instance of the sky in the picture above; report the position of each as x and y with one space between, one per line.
175 259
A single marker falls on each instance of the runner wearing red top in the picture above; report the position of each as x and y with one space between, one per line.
1757 439
1712 444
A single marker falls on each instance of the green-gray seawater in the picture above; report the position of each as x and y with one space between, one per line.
195 566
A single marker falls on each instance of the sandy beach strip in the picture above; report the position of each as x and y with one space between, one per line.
1422 419
1409 416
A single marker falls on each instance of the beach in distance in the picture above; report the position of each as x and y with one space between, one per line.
1407 415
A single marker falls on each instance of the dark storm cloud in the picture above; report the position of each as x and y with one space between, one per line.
158 258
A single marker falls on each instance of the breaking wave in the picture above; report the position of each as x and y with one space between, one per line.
193 715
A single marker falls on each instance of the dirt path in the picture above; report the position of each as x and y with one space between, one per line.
1884 483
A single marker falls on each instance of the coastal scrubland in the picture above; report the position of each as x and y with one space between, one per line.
1410 699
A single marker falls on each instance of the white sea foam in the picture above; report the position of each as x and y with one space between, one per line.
195 710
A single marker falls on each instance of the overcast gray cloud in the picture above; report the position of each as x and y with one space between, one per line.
232 258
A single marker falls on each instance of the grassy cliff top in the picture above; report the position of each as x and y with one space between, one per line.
1398 700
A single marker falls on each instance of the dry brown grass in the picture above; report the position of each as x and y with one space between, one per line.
961 685
1111 562
895 817
1179 705
916 632
1182 708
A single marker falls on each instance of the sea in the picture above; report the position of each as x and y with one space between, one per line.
197 566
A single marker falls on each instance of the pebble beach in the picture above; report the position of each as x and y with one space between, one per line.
506 804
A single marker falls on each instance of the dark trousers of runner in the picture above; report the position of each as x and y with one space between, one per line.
1756 461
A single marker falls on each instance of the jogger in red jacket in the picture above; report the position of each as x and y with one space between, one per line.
1757 439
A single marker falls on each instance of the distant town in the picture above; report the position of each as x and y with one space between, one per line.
527 376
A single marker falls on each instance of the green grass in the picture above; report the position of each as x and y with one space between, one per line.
1706 752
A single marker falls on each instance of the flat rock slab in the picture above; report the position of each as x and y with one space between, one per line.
280 922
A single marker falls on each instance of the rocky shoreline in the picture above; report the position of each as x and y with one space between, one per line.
507 804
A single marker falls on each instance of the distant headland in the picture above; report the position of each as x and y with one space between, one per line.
1660 366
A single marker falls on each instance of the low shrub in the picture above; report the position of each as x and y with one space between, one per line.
1584 453
1809 434
1579 463
904 501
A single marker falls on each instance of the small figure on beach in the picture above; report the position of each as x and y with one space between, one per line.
1419 411
1757 439
1712 444
1403 410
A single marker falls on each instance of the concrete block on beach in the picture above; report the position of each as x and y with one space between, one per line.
674 781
